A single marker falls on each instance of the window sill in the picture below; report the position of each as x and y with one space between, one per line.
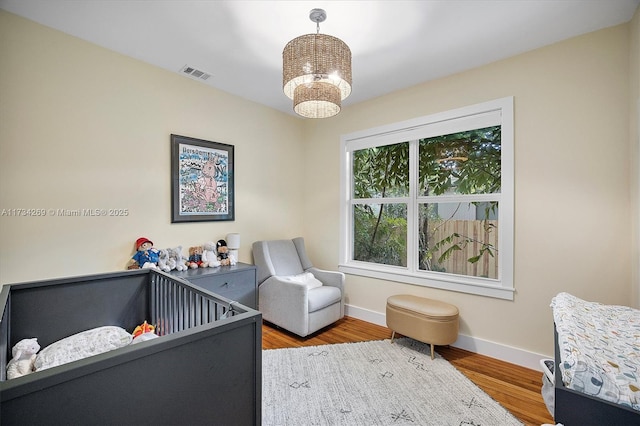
459 284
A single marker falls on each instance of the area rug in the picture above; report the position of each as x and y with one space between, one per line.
371 383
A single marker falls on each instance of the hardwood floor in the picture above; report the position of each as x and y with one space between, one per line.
515 388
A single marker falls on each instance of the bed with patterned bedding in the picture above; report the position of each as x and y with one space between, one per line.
598 356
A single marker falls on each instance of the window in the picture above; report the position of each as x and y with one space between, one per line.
430 201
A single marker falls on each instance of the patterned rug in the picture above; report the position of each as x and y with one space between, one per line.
371 383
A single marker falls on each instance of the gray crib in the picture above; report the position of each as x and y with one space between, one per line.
205 369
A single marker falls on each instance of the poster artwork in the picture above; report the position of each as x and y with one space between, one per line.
203 180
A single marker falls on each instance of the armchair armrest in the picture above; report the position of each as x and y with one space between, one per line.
285 304
332 278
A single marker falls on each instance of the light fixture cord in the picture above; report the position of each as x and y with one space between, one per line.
315 52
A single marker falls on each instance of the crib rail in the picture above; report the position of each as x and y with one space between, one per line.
177 305
215 340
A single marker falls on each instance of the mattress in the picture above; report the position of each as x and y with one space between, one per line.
599 349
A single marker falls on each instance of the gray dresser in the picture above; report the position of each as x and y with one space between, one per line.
237 283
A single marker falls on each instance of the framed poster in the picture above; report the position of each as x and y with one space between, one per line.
202 185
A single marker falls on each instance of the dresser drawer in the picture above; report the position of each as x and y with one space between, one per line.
232 286
237 283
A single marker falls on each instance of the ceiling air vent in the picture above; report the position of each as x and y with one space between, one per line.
195 73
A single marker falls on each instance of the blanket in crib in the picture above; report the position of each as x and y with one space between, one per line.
599 348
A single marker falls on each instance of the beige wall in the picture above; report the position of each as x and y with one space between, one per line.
572 177
83 127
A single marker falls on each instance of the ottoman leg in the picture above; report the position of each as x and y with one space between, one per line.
432 351
393 333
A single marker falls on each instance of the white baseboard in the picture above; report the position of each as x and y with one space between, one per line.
365 315
472 344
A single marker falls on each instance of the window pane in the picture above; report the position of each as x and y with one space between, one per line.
459 238
461 163
380 233
381 171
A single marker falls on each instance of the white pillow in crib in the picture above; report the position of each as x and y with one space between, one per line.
306 279
82 345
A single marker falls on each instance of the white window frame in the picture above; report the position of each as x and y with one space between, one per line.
491 113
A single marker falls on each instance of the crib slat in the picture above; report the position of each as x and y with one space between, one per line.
177 305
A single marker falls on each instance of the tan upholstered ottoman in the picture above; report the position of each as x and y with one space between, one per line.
427 320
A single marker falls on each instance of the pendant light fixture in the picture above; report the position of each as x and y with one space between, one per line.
316 71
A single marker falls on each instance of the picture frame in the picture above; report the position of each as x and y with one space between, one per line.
202 180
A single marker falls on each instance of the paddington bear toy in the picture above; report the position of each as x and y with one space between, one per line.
146 256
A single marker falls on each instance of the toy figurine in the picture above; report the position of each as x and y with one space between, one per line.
223 253
146 256
143 332
210 255
195 258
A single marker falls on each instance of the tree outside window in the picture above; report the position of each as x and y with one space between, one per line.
429 201
380 227
454 237
460 237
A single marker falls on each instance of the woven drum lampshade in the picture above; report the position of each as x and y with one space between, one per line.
316 100
316 72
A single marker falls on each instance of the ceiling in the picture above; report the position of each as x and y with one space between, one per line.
394 44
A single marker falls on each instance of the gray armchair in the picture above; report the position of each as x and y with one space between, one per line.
288 295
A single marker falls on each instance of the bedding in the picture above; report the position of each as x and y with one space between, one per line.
82 345
599 349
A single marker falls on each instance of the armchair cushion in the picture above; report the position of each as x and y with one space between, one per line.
321 297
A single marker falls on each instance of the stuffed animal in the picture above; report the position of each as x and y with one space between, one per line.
223 253
145 327
143 332
210 255
24 356
176 254
146 256
164 263
195 258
